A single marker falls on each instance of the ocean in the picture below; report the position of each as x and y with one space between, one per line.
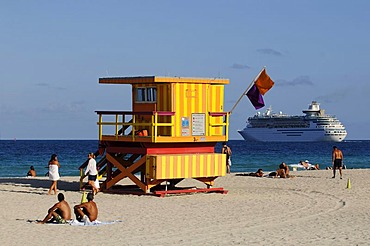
17 156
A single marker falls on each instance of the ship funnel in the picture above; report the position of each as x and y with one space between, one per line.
314 106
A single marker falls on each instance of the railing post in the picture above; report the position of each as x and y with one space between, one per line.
154 137
210 126
133 126
227 126
172 126
100 126
117 118
155 126
123 122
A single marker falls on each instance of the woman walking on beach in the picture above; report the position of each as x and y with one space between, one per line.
92 171
53 173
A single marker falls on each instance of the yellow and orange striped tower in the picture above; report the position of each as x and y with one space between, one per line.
169 135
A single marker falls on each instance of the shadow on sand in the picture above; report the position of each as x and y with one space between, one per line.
41 183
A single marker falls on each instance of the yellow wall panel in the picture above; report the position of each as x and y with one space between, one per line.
186 166
185 99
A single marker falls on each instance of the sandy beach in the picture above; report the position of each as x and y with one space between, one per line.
310 209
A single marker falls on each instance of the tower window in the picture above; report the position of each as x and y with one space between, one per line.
146 94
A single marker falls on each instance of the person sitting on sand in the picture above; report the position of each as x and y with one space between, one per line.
31 172
60 212
283 171
87 212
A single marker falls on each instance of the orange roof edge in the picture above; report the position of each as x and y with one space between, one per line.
154 79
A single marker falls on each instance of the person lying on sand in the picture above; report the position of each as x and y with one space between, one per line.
88 211
306 165
60 212
259 173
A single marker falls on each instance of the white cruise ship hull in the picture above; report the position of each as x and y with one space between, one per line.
314 126
289 135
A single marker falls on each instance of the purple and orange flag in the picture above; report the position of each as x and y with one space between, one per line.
261 85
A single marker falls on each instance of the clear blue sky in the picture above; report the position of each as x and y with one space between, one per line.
53 52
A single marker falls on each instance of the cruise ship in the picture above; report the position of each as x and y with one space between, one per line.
314 125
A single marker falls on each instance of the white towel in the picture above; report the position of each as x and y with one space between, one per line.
53 172
93 223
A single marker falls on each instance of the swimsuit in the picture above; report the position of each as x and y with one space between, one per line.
60 220
92 177
338 163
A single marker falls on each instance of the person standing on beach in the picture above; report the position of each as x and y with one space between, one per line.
60 212
226 150
53 173
337 160
88 211
92 171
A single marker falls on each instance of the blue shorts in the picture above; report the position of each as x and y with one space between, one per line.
92 177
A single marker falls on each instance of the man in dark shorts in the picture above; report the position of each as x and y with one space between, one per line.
337 160
60 212
87 212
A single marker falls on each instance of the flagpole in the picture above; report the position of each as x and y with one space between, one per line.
250 85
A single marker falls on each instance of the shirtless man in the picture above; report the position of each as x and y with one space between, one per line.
226 150
337 160
60 212
88 211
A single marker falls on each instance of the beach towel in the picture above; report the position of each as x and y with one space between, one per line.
78 223
54 172
93 223
299 166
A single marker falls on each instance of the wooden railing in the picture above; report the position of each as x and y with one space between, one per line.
135 123
151 122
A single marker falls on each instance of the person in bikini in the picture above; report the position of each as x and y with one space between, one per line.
60 212
337 160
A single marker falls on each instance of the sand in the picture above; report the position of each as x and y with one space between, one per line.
310 209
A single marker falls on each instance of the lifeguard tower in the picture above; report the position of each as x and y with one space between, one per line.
169 135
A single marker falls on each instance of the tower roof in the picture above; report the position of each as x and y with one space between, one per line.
156 79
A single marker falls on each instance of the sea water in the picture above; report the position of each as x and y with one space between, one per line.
17 156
